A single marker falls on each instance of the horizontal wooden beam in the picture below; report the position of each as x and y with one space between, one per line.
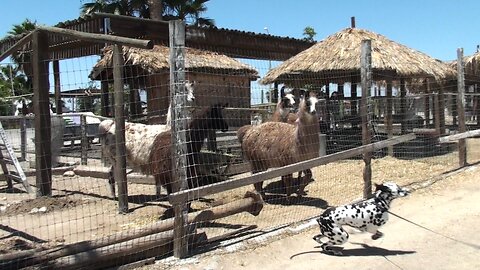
16 47
459 136
196 193
98 38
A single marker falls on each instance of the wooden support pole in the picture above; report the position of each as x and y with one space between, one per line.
388 115
179 139
23 137
426 111
354 99
57 86
104 99
84 140
43 150
441 108
17 46
120 165
403 106
462 146
366 79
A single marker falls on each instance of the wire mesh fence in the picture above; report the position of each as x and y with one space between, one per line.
234 127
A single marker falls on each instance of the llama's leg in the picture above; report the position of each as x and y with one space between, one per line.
111 182
289 185
158 187
304 181
258 186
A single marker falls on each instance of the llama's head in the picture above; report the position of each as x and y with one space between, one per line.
189 86
310 102
288 101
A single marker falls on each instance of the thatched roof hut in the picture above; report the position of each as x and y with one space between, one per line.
218 78
157 60
472 67
337 59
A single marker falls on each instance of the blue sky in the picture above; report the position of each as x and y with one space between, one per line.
435 27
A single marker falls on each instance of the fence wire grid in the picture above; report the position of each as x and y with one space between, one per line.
236 125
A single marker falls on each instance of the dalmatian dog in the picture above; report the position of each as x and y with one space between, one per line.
367 216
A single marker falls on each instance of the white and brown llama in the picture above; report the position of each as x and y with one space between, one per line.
277 144
139 139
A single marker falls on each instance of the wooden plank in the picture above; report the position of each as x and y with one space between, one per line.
459 136
43 151
462 144
179 125
120 150
195 193
366 81
98 38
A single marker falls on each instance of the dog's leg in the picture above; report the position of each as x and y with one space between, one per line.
336 236
376 234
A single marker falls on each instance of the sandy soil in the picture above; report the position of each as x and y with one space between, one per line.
450 208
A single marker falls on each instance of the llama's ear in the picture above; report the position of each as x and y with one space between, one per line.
378 186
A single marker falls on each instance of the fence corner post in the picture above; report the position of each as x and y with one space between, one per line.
462 147
366 81
179 139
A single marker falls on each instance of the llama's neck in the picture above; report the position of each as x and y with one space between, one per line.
308 128
280 114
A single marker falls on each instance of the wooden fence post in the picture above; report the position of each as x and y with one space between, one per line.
84 139
120 165
462 147
56 81
23 138
43 150
388 115
179 139
366 80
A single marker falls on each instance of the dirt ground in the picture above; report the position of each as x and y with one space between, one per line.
449 211
82 209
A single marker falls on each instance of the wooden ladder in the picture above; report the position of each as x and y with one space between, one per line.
10 159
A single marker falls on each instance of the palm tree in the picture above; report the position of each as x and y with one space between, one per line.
188 10
22 59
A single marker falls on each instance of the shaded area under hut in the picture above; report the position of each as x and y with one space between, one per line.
216 77
332 67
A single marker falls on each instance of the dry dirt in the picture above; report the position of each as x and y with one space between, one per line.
448 210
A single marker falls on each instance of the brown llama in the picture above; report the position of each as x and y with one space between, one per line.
202 123
277 144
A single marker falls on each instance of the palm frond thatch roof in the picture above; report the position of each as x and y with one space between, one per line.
471 63
339 55
157 59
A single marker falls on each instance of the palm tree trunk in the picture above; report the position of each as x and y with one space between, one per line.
156 9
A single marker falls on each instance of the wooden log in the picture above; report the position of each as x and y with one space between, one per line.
43 150
195 193
251 203
427 110
403 106
459 136
462 144
366 80
441 104
97 38
120 149
116 254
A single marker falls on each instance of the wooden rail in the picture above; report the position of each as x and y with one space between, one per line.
459 136
195 193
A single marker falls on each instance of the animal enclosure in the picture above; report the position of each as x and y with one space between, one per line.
118 184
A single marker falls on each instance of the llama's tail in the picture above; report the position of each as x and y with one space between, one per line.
242 131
